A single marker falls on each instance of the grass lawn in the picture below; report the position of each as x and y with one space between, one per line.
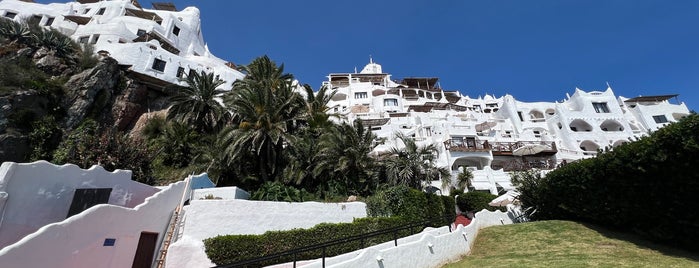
568 244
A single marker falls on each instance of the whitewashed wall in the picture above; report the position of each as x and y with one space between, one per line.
78 241
40 193
210 218
433 247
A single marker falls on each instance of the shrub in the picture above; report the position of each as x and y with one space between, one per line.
645 186
277 191
44 138
402 201
233 248
475 201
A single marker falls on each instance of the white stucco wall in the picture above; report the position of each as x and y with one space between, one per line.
78 240
210 218
40 193
415 250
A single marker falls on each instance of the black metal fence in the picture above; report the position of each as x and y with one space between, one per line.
413 227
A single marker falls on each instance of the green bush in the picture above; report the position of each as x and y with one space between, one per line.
233 248
648 186
475 201
409 203
277 191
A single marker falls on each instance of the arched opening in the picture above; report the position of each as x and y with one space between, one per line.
550 112
472 162
536 115
579 125
619 142
378 92
611 125
339 97
589 146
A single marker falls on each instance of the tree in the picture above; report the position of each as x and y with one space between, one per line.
465 180
197 103
413 164
344 159
265 111
317 116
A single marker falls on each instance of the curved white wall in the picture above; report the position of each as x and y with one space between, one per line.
78 240
40 193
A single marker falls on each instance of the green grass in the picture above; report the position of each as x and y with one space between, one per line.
568 244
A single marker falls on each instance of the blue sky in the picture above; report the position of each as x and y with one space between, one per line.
534 50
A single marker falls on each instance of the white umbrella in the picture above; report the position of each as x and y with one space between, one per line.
508 198
529 149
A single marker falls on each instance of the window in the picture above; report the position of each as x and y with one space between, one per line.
83 39
34 20
180 72
176 30
141 32
101 11
390 102
600 107
360 95
192 72
95 38
159 65
520 116
86 10
49 21
660 119
10 15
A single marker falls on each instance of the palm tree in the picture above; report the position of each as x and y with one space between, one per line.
465 180
413 164
265 109
317 108
344 159
197 103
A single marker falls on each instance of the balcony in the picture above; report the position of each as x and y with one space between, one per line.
466 145
515 148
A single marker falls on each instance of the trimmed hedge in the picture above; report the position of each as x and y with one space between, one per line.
406 202
476 201
648 186
234 248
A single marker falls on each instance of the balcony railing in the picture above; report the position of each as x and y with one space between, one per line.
498 148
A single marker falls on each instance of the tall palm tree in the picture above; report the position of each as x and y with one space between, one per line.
413 165
265 109
197 103
317 116
344 159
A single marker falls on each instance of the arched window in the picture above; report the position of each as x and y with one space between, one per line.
611 125
589 146
579 125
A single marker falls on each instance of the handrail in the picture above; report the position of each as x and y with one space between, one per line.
327 244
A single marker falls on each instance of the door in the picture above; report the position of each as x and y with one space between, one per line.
145 250
86 198
471 142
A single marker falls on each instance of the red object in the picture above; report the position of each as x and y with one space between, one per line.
461 219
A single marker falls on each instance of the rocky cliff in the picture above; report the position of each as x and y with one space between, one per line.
50 86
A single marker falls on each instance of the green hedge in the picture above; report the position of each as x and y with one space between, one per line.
648 186
406 202
476 201
233 248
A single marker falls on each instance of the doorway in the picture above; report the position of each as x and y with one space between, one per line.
145 250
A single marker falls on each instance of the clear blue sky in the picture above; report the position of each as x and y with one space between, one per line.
534 50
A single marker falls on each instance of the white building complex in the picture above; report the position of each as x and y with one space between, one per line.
492 136
162 44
